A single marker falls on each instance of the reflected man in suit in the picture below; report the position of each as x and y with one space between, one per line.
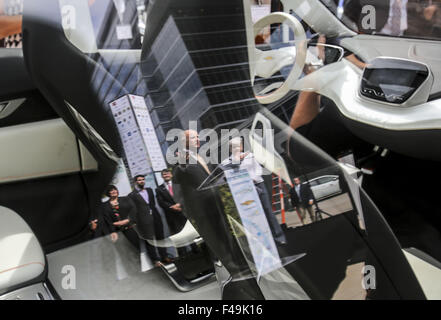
147 219
247 161
302 199
204 207
165 194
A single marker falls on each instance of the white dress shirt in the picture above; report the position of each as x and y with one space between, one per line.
251 165
387 29
297 188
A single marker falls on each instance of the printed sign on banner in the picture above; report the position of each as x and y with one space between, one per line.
134 148
255 224
148 132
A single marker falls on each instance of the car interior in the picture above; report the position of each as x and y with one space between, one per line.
104 91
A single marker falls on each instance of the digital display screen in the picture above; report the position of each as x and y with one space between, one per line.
392 76
392 80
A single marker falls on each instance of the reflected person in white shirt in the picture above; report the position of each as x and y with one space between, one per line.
246 160
397 22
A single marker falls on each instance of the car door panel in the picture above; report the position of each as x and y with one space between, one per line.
35 144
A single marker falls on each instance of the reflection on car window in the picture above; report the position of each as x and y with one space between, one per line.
398 18
210 179
108 24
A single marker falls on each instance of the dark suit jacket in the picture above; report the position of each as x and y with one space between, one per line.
305 196
175 219
147 218
205 209
189 178
104 224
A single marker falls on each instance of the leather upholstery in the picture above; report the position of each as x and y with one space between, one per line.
21 256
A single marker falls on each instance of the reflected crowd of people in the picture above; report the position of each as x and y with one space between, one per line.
123 214
139 218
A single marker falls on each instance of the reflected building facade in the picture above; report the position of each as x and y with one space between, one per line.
196 69
194 65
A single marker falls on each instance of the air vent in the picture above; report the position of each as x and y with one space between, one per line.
8 107
2 106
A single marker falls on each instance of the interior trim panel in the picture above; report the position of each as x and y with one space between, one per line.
8 107
41 149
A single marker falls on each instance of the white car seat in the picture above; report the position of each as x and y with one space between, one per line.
22 261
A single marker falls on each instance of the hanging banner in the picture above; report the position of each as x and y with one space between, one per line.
140 142
148 132
133 143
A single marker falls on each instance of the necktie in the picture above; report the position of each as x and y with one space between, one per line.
396 18
170 189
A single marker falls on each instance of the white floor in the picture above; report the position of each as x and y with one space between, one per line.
102 270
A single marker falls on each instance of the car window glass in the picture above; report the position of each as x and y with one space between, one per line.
325 180
181 103
397 18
